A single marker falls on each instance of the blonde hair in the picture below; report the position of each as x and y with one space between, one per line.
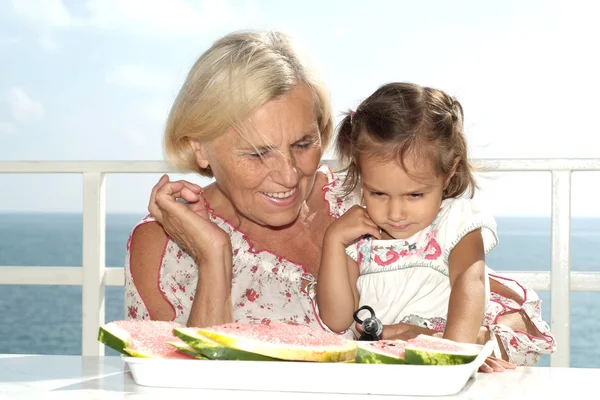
239 73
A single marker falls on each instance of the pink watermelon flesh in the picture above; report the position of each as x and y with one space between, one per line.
434 343
281 333
151 337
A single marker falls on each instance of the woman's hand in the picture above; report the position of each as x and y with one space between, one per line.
188 224
403 331
493 364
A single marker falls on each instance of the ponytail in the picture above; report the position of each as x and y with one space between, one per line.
346 144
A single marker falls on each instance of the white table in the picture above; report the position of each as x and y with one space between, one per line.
76 377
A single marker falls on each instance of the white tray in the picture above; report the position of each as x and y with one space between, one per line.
308 377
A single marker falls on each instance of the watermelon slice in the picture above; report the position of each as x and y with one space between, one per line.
283 341
381 352
213 350
430 350
187 349
140 338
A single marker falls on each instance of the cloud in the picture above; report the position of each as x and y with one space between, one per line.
6 128
8 41
23 107
48 43
157 111
136 76
159 17
140 17
43 13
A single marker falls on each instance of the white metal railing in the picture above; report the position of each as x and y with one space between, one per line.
94 276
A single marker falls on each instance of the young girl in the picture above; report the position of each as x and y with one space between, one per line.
415 252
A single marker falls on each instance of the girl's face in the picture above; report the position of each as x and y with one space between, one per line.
401 203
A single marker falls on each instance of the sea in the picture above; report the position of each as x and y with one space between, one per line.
40 319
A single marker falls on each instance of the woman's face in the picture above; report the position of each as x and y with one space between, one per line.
268 171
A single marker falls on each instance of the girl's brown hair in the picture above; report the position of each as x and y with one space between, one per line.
401 119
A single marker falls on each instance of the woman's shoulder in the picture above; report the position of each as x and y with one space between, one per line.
146 236
334 193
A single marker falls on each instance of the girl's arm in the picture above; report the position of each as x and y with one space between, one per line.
337 296
467 279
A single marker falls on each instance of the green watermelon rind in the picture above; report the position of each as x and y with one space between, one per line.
187 349
369 355
419 356
214 350
113 336
344 352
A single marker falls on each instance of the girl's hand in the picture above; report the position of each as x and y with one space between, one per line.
401 331
188 224
353 224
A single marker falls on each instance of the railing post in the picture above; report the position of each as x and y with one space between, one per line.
93 293
560 286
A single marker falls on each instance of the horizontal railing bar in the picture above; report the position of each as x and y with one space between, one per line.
493 164
70 276
85 166
114 276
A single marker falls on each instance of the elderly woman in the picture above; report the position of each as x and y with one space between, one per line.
254 114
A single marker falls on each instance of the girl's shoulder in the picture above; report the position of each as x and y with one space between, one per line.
460 216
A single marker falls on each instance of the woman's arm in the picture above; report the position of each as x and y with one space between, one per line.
514 320
190 226
148 242
212 301
467 296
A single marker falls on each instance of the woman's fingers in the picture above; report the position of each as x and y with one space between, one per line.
485 368
493 364
152 206
163 179
172 191
502 363
191 186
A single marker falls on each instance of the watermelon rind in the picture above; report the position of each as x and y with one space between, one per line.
214 350
346 351
436 357
187 349
367 354
418 354
138 353
113 336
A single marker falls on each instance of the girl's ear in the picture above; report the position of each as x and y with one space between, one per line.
199 149
452 172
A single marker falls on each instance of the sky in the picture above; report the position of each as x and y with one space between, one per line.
94 80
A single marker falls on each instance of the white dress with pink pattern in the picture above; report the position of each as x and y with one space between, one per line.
407 281
268 287
265 286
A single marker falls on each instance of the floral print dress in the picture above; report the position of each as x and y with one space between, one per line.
265 286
